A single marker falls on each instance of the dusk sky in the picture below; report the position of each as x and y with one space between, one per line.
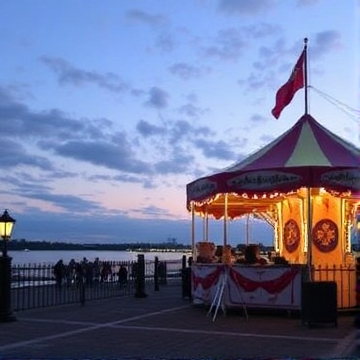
108 108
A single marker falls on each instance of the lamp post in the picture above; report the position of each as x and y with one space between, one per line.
6 227
358 231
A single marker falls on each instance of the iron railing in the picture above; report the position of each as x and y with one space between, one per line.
35 285
345 277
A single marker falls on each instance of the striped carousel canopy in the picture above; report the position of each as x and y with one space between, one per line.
307 155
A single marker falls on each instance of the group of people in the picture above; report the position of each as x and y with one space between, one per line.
88 272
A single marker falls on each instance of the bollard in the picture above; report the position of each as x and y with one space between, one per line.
183 276
156 274
183 262
6 314
162 272
186 278
165 273
82 292
140 277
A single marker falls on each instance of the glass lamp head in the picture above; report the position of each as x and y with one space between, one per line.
6 225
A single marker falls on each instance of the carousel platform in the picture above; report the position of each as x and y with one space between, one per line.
165 326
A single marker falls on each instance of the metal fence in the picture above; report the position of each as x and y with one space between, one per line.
36 285
345 277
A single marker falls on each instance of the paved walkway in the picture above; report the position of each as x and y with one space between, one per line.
165 326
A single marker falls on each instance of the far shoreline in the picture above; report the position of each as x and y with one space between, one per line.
24 245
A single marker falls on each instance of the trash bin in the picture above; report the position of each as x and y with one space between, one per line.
319 302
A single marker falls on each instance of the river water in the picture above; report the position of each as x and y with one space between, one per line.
52 256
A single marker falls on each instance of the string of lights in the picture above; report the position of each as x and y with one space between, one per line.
353 114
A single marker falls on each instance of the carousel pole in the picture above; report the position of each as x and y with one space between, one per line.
225 219
306 77
192 229
247 229
206 226
309 228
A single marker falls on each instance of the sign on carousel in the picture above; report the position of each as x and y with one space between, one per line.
201 189
344 178
262 180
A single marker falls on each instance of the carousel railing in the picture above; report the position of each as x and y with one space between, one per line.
345 278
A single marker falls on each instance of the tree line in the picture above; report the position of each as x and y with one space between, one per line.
22 244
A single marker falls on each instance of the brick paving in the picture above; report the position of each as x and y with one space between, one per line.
165 326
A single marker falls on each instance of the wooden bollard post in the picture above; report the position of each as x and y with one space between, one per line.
140 277
186 278
183 276
156 274
183 263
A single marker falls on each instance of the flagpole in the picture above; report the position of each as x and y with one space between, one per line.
306 75
308 200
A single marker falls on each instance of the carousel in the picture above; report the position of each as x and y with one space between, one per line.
305 184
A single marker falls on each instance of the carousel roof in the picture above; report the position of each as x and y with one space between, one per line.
307 155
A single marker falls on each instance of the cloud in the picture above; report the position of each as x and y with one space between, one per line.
178 162
176 143
145 18
165 42
153 211
191 111
53 131
279 58
186 71
245 7
228 44
146 129
160 23
69 203
94 142
232 43
181 129
157 98
256 81
124 178
216 149
261 30
118 156
40 189
256 118
304 3
325 42
13 155
87 228
70 75
12 114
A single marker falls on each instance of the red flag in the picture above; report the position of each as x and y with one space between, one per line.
286 93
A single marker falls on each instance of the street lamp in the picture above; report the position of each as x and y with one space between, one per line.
358 231
6 227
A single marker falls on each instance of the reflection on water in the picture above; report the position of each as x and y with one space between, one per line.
52 256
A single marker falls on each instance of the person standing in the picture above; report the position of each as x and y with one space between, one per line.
59 273
123 275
